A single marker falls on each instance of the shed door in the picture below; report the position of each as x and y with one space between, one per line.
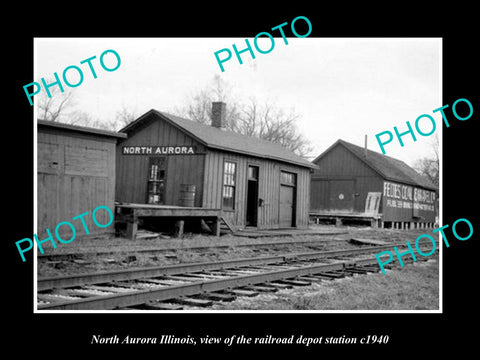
252 196
341 195
287 199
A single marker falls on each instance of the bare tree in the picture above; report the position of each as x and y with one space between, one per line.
266 121
272 123
57 108
82 118
429 166
124 116
53 108
198 107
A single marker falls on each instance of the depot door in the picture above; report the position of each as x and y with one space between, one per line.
288 184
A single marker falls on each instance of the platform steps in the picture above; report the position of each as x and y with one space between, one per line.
226 226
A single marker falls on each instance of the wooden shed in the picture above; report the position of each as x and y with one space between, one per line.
75 174
353 182
169 160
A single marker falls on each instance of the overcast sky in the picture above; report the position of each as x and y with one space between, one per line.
341 87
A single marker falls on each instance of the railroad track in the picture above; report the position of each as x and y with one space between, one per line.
199 283
313 243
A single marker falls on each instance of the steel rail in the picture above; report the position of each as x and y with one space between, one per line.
58 282
109 302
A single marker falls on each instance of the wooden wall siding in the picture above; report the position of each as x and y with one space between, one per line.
132 170
268 188
75 174
340 164
88 161
319 195
321 192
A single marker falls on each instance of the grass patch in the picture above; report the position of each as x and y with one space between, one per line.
414 287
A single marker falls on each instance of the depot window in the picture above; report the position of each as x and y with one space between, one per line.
229 183
156 181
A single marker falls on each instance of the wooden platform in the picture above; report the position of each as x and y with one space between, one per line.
130 213
374 219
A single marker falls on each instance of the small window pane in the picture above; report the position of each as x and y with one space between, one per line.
229 173
287 178
228 197
253 173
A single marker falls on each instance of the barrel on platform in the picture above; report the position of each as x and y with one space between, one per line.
187 195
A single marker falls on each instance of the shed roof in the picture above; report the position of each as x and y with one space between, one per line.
222 139
81 129
386 166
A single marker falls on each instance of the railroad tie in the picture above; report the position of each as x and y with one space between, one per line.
295 282
311 278
242 292
356 270
152 305
180 277
205 276
71 292
331 275
51 298
261 288
375 268
217 296
108 288
279 285
193 301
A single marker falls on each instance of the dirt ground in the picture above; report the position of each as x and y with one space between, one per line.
101 254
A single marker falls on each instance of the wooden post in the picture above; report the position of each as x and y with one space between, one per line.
179 225
216 226
132 226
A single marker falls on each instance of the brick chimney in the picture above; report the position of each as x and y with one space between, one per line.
219 112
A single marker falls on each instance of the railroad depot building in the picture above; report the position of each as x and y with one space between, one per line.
172 161
75 174
354 183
